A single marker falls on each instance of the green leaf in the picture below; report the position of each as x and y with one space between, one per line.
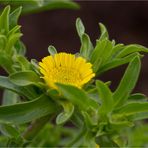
48 5
9 97
77 97
102 52
139 116
4 20
116 126
14 30
116 63
24 63
131 49
3 41
127 83
24 78
68 111
52 50
20 48
106 97
9 131
137 97
11 42
106 141
6 62
13 17
132 108
116 50
80 27
86 46
104 32
28 111
26 91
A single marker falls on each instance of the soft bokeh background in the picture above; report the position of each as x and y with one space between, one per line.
127 23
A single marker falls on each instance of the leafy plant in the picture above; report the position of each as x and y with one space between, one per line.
35 114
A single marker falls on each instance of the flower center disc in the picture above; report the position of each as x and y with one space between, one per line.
66 76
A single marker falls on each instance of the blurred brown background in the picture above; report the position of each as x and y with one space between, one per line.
127 22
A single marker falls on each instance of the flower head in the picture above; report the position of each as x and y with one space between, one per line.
66 69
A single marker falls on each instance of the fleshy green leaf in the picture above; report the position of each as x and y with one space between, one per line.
86 46
4 20
6 62
24 78
11 41
66 114
133 108
106 97
9 131
116 63
139 116
80 27
9 97
20 48
128 82
77 97
13 17
25 112
101 53
26 91
48 5
52 50
104 33
137 97
24 63
130 49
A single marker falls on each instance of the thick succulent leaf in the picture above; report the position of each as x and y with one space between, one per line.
66 114
24 78
116 50
104 32
101 53
6 63
33 6
127 83
9 131
77 97
106 97
80 27
137 97
52 50
9 97
20 48
139 116
26 91
86 46
25 112
132 108
116 63
4 21
24 63
13 17
11 42
131 49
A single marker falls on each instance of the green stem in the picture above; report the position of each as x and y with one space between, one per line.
35 127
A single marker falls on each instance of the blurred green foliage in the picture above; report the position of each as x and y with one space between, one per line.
32 6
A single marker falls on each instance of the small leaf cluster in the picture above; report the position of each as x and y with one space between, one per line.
91 116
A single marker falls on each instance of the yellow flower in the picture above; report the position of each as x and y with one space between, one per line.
66 69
